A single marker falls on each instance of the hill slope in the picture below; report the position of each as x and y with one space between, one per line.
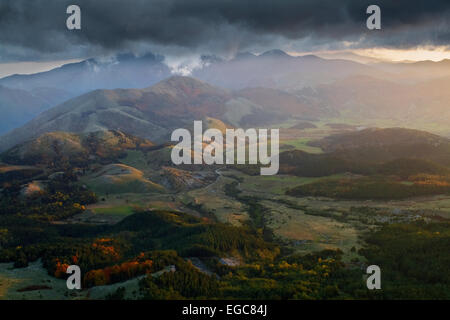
150 113
377 137
392 151
54 147
120 178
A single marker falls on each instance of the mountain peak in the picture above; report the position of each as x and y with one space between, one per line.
275 53
177 81
182 89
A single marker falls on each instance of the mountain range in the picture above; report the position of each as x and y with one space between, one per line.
277 69
152 112
122 71
248 90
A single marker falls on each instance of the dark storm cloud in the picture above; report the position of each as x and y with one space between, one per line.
37 28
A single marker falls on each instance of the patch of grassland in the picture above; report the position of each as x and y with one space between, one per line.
131 289
135 159
301 144
163 205
307 233
366 188
12 280
116 211
277 184
212 200
114 207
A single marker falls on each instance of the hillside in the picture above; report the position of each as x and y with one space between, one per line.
178 179
150 113
377 137
119 178
53 148
370 188
380 145
392 151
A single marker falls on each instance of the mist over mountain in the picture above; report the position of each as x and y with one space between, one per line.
277 69
273 69
363 97
121 71
286 103
414 72
18 106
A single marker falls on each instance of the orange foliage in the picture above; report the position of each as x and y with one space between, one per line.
430 180
61 268
117 273
108 250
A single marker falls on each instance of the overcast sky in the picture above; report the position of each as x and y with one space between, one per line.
36 30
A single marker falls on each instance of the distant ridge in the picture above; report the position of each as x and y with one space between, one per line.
275 53
122 71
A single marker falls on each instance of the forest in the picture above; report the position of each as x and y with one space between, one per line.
148 241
